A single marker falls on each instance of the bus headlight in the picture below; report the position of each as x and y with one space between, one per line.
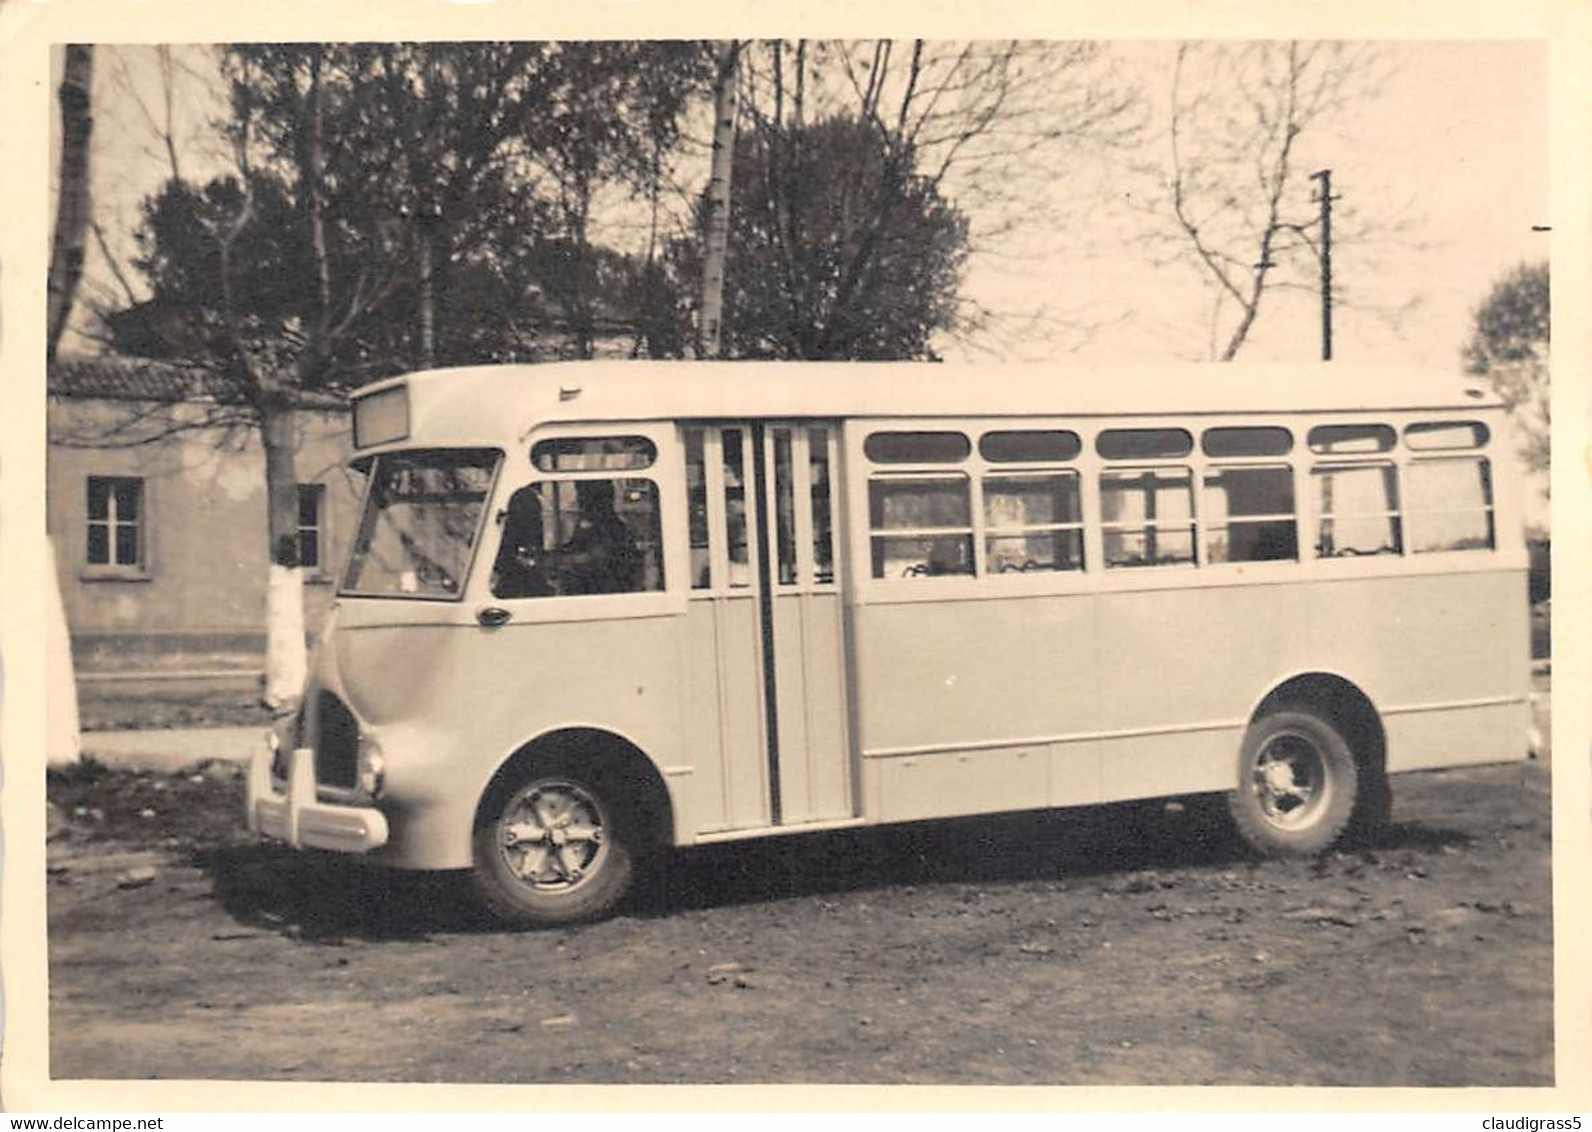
372 768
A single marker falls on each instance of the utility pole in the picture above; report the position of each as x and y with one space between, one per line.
716 237
1325 199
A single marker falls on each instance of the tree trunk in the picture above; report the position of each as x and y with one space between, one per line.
428 298
63 744
717 235
285 662
582 320
72 199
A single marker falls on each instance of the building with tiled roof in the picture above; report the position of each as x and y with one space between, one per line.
156 508
142 379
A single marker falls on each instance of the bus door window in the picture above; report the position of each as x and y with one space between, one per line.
736 545
696 489
784 509
823 523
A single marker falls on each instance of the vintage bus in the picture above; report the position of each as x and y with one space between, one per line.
594 610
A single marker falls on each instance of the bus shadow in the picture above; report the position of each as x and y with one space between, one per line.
326 898
1102 843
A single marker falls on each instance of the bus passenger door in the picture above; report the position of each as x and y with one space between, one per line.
806 674
766 712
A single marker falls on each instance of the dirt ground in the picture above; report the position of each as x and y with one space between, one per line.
1105 946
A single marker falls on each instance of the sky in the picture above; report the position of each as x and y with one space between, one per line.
1455 142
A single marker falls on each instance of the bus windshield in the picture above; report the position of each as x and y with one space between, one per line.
422 518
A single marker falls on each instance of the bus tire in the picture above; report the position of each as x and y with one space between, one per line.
1297 782
554 846
1373 809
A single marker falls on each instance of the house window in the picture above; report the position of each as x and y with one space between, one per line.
311 526
116 521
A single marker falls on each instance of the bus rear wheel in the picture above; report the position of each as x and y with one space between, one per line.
1297 782
553 847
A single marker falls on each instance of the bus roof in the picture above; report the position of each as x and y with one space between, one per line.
472 401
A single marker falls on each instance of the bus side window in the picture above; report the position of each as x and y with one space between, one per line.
517 571
1148 516
1450 505
1032 521
922 525
1359 509
1248 513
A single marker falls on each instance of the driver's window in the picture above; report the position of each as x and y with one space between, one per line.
580 536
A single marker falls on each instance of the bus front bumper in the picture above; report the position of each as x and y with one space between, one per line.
297 817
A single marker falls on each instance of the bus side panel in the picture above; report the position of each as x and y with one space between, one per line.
962 689
496 689
1183 762
962 782
1179 672
1458 737
1444 657
723 718
814 753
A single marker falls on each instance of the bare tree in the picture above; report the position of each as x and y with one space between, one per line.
1234 186
286 86
992 127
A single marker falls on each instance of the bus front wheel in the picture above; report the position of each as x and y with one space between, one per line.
553 847
1297 782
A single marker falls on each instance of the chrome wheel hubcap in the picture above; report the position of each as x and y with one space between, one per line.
1290 780
553 836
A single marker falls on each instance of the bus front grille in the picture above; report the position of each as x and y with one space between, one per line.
337 743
